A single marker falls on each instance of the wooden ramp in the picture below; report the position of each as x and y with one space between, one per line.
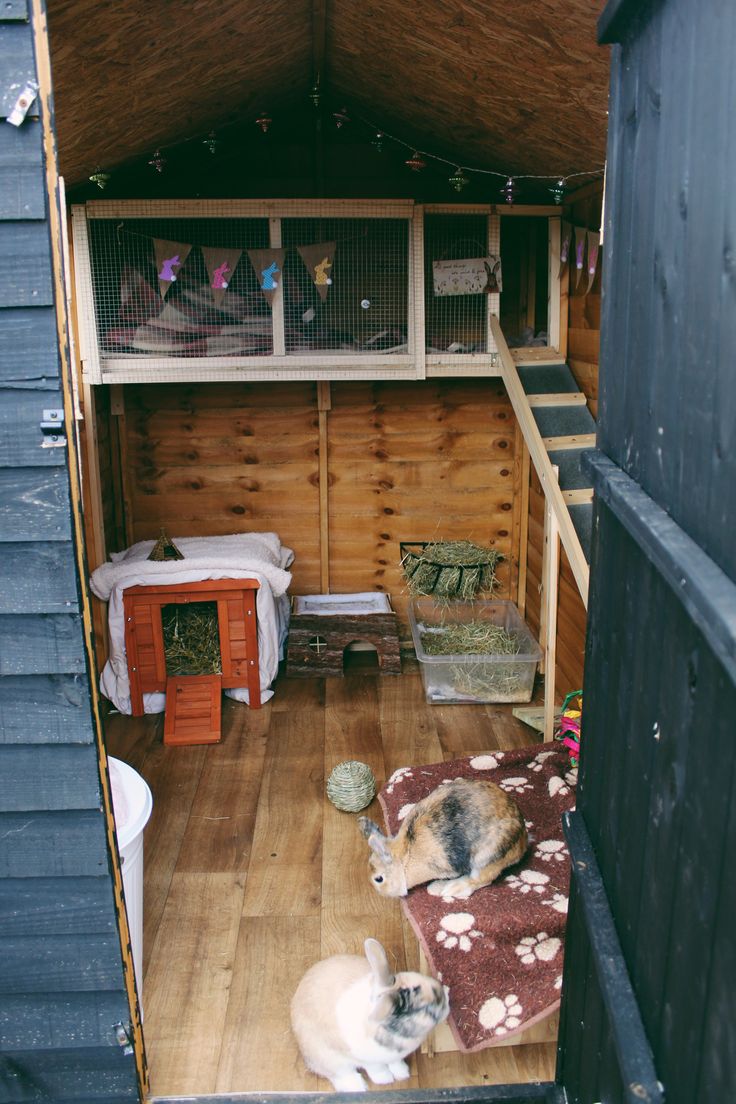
557 427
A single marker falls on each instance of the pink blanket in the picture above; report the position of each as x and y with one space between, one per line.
500 951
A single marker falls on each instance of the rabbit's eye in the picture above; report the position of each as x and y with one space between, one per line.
378 878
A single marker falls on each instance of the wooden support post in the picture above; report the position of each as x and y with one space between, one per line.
524 526
120 463
324 404
550 588
554 295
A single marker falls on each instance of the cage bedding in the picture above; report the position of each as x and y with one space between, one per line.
258 556
500 951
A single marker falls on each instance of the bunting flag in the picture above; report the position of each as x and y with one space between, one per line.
170 256
221 264
581 235
318 259
594 240
268 265
565 241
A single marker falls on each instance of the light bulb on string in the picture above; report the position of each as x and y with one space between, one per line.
416 162
100 178
509 190
158 161
377 141
458 180
264 121
315 94
558 190
211 142
341 117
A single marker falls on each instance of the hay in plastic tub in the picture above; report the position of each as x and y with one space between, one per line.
351 786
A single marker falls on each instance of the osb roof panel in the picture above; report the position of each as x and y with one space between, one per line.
517 87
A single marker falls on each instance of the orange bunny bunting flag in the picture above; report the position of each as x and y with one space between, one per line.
318 259
268 265
170 257
220 264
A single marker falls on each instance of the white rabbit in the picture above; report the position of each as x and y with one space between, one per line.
350 1013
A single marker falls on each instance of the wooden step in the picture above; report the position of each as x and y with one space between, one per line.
559 398
193 709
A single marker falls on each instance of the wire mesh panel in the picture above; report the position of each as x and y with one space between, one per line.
179 287
458 277
346 285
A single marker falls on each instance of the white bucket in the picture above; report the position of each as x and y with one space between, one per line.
132 804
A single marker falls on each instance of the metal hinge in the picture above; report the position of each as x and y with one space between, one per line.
123 1034
53 429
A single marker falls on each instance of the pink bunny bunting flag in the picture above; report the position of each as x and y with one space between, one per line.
268 265
594 241
565 243
318 259
581 237
221 265
170 257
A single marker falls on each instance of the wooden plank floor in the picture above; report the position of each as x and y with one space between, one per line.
251 875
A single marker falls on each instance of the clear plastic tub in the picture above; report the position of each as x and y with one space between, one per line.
466 677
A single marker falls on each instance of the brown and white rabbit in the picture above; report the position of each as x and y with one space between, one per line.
350 1013
458 838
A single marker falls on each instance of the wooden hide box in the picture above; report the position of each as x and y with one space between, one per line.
323 626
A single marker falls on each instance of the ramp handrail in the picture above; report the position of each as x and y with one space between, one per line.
542 463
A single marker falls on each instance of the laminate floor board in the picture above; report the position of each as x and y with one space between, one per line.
251 875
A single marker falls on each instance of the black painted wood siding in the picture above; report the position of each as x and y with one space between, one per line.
659 735
61 969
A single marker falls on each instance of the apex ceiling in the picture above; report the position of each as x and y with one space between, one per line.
518 87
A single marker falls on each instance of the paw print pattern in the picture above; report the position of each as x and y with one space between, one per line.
540 947
537 763
516 785
457 930
557 786
558 981
486 762
501 1014
558 902
398 776
405 810
551 851
528 881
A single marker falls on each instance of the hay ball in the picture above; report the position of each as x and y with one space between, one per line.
351 786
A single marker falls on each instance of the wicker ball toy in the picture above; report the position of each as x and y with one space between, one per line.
351 786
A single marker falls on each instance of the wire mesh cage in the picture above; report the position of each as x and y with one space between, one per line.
152 282
458 276
346 285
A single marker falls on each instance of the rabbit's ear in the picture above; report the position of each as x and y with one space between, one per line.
376 956
376 839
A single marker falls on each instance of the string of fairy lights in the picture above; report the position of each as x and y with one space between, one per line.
559 184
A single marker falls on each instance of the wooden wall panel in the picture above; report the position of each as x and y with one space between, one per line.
212 459
584 331
417 461
405 461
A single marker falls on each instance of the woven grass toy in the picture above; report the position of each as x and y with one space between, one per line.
450 569
351 786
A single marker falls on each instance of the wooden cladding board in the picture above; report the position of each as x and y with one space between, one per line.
571 615
584 333
406 461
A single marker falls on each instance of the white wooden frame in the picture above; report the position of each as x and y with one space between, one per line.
99 368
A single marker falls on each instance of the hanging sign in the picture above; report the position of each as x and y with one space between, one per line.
319 259
565 243
594 240
581 236
268 265
220 264
170 256
467 276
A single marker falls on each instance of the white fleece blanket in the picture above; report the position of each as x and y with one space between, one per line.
258 556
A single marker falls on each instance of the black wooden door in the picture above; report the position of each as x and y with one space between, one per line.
66 988
656 810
